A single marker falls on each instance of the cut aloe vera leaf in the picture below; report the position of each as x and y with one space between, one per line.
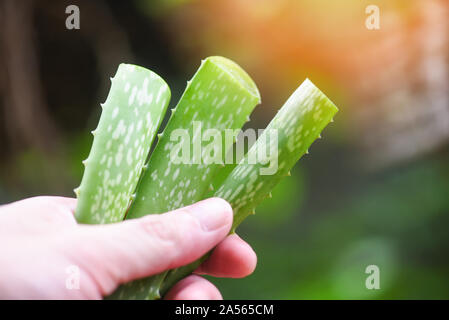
297 125
129 121
219 97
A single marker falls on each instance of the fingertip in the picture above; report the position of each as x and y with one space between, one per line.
246 256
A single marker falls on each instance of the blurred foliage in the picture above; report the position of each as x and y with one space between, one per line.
391 224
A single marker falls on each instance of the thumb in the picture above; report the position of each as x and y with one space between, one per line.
117 253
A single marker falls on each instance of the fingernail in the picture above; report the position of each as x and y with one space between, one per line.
212 213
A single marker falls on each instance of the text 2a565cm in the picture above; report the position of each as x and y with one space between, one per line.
245 309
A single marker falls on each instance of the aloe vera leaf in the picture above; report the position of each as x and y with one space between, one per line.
220 96
298 124
129 121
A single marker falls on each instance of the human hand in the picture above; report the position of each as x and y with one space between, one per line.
40 239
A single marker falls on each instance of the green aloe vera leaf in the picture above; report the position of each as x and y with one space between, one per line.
219 97
298 124
129 121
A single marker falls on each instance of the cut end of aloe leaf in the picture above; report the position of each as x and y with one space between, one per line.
235 71
295 127
219 97
309 85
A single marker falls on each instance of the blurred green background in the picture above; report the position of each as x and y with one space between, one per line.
374 190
